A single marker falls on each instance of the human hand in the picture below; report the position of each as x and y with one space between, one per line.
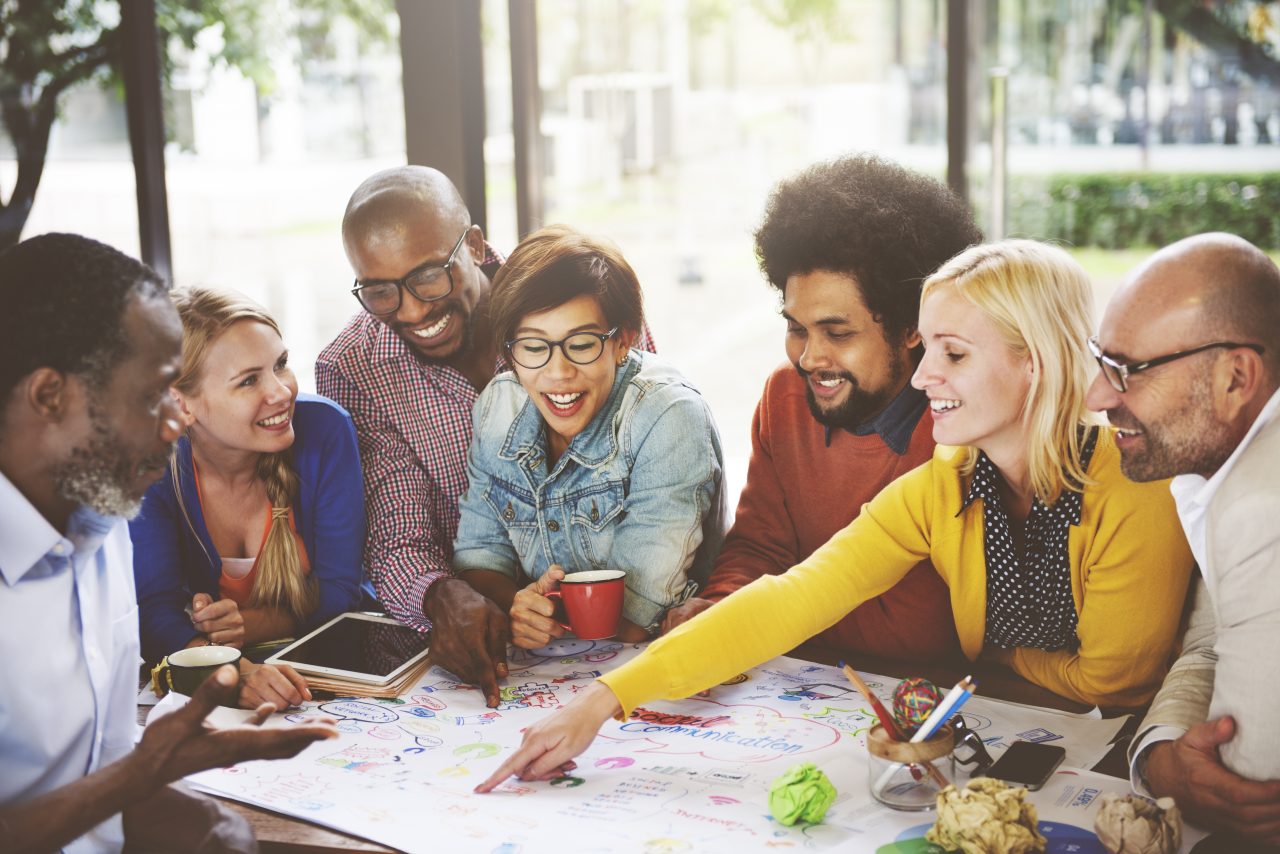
180 743
1190 771
221 622
468 635
277 684
532 625
549 745
683 613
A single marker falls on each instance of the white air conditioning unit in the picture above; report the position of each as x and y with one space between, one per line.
636 110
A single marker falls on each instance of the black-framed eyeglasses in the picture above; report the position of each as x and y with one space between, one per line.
429 282
1118 373
970 750
581 348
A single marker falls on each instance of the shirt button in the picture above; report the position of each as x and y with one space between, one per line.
508 513
553 525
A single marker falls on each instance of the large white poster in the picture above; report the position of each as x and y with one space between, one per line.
679 776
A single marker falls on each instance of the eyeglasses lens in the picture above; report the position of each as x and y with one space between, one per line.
581 349
381 298
430 284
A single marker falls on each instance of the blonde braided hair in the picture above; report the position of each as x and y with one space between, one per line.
279 582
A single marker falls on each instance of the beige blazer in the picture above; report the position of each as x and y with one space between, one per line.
1230 661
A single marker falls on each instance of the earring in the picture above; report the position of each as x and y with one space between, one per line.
623 360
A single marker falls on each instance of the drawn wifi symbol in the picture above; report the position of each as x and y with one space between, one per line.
723 800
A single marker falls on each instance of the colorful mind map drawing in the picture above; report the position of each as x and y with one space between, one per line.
691 775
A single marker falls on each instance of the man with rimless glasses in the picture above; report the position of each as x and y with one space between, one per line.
1189 351
408 367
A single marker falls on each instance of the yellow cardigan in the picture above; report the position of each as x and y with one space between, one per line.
1130 566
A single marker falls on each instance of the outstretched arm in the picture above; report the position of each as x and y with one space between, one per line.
173 747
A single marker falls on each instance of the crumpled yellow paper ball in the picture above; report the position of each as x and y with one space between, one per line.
986 817
1134 825
802 793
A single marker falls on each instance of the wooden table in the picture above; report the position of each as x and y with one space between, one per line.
279 834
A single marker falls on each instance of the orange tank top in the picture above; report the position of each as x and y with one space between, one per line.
240 589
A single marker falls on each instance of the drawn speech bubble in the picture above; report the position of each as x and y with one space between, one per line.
354 710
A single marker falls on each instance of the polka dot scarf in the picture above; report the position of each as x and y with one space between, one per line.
1029 600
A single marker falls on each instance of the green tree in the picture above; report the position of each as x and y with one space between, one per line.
48 46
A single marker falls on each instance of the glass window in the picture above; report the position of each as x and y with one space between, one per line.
665 125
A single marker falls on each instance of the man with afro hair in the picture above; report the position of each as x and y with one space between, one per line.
847 243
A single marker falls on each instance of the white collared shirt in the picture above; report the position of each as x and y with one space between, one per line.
1192 494
69 642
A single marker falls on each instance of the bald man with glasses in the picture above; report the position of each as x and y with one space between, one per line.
1189 352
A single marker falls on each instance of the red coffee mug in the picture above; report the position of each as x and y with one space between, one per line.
592 601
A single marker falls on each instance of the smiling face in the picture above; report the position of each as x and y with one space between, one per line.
128 425
438 331
977 385
851 369
245 397
569 395
1165 423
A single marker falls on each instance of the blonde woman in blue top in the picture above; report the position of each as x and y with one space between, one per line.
589 454
256 530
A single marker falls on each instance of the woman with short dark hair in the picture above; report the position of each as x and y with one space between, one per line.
588 454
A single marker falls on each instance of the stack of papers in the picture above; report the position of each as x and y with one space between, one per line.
355 688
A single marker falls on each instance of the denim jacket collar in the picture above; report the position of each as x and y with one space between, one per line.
594 446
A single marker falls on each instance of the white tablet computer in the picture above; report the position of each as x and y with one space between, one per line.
357 646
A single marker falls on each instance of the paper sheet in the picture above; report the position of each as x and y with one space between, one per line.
680 776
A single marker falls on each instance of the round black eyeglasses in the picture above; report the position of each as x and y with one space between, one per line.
428 283
581 348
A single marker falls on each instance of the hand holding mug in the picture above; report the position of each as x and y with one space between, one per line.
593 602
532 612
221 622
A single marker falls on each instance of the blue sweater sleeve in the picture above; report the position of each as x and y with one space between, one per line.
331 512
160 537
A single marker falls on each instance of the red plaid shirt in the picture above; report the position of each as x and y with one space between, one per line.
413 421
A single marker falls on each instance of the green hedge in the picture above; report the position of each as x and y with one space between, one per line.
1121 210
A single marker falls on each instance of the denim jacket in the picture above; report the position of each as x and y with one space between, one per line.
639 489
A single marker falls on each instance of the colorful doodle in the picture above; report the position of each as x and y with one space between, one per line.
691 775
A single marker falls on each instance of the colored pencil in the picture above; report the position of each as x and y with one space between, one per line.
942 712
886 719
890 728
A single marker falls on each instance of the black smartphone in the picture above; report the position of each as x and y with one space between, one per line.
1027 763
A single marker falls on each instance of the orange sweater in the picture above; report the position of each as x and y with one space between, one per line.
800 493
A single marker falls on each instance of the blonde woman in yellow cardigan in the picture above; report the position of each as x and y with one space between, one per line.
1057 564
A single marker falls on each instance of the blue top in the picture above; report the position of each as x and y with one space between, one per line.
174 558
639 489
69 641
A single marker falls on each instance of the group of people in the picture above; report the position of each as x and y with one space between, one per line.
930 478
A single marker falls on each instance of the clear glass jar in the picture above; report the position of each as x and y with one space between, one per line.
908 776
